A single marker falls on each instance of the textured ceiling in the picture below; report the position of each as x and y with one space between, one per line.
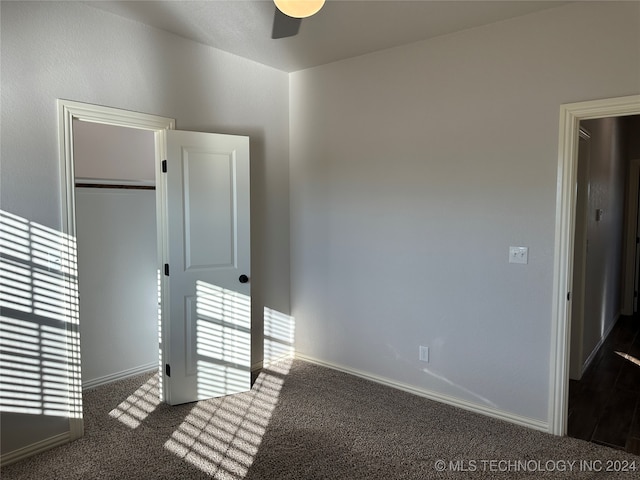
342 29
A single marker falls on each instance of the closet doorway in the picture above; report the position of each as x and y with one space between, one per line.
117 255
202 214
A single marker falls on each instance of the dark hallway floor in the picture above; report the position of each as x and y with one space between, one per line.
604 406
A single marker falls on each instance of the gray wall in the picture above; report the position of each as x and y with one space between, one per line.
69 50
110 152
117 282
414 169
603 282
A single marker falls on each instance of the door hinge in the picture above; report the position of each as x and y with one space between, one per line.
164 166
167 370
568 296
166 269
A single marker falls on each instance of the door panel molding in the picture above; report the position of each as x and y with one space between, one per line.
221 196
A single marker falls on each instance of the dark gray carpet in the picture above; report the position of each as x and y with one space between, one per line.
302 421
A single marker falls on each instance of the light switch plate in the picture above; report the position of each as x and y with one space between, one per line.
519 255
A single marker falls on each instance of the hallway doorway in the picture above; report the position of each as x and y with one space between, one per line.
570 117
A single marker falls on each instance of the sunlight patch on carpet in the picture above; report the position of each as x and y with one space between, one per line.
221 437
139 404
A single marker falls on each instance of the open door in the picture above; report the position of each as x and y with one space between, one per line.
205 289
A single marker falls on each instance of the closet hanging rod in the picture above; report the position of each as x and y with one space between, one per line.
88 182
115 185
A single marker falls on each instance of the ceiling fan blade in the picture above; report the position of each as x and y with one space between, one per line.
284 25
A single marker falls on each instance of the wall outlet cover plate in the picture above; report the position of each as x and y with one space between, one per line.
519 255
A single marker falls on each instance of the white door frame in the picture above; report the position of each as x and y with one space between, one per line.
67 112
579 274
570 116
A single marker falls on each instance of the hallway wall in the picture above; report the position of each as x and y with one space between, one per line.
603 283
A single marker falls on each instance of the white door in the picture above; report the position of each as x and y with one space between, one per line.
206 298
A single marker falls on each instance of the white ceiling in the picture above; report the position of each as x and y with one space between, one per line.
342 29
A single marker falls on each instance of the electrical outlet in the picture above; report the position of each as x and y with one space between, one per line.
519 255
423 354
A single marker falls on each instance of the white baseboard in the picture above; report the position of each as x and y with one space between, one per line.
596 349
265 364
438 397
34 448
257 366
96 382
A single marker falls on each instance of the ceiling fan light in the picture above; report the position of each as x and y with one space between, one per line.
299 8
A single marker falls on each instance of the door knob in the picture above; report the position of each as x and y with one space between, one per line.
243 279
